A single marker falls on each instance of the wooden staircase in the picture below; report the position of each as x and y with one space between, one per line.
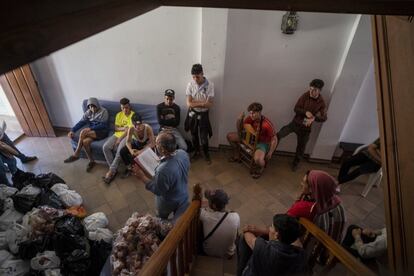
177 253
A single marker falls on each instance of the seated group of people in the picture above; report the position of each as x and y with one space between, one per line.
277 250
132 135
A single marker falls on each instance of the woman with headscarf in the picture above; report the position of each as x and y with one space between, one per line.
319 203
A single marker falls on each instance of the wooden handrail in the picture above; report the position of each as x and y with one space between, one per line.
158 262
340 253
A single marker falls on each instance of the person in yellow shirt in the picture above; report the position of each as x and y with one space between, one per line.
116 142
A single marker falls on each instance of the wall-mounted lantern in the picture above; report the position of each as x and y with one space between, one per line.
289 22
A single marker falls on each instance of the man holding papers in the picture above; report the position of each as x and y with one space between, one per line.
170 180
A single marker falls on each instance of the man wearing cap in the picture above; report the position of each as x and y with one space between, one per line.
170 182
282 254
96 121
200 94
168 113
309 108
220 227
123 121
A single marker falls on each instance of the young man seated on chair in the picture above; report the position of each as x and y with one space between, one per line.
96 121
266 143
368 160
220 227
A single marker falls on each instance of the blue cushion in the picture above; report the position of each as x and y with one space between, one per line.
146 111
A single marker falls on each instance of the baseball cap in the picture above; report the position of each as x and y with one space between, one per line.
169 92
136 119
218 197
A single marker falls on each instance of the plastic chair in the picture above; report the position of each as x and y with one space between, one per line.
374 178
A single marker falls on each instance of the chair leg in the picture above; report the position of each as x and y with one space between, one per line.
374 179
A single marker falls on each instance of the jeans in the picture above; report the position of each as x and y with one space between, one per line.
9 142
165 208
302 137
364 163
113 161
178 138
11 164
200 133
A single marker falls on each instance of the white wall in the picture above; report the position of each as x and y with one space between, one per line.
264 65
363 115
243 52
138 59
357 62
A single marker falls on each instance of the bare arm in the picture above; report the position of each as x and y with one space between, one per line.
151 138
129 139
273 145
250 239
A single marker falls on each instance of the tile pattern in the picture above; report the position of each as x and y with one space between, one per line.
255 200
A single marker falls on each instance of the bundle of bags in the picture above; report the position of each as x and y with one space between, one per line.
42 230
136 242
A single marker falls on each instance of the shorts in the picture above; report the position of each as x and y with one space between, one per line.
101 134
263 147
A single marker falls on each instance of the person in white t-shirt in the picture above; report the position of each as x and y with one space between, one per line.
200 94
219 241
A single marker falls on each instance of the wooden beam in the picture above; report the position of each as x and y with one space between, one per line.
384 7
32 29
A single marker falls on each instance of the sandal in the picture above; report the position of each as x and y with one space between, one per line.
109 179
256 174
90 166
70 159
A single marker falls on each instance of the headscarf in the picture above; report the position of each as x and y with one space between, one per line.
323 189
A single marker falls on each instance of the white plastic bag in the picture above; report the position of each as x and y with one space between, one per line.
101 234
14 268
9 217
52 272
69 197
4 256
6 191
30 190
45 260
8 204
3 240
95 221
15 235
59 188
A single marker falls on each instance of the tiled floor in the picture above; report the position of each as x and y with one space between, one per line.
255 200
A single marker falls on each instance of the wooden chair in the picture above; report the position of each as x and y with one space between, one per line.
248 141
249 137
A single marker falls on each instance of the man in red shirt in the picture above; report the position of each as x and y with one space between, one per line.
266 144
309 108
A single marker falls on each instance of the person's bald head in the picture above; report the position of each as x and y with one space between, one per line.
166 142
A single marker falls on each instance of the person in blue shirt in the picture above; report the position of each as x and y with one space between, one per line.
95 127
170 181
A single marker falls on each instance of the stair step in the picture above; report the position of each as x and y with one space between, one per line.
211 266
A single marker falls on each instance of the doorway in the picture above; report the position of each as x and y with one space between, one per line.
8 119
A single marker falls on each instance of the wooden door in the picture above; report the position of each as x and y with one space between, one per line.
393 39
23 94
